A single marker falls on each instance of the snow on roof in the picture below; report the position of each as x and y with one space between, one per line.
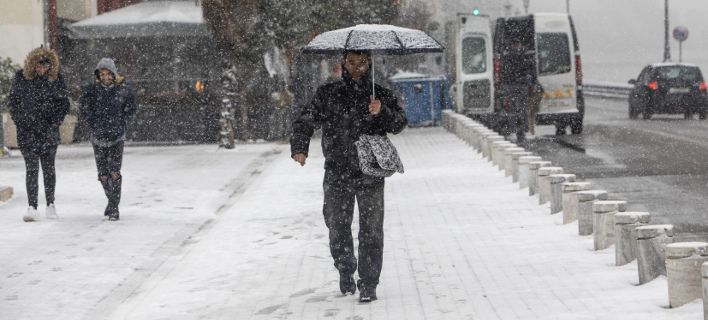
154 18
407 75
672 64
149 12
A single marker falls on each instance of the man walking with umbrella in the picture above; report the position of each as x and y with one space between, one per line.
345 110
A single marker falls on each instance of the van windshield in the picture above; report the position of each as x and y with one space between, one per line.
553 53
474 55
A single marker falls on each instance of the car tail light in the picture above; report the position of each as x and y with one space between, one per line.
653 85
578 71
703 86
497 71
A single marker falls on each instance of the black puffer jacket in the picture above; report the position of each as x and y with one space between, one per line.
341 110
107 110
38 106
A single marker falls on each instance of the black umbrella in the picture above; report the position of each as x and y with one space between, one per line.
374 38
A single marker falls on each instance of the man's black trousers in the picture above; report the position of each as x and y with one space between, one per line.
340 192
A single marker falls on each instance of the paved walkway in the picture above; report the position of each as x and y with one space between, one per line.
461 242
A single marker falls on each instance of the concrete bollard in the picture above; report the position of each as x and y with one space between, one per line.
533 174
477 131
543 183
524 170
604 222
515 163
651 250
506 159
481 132
704 273
683 271
556 196
626 224
487 144
465 132
570 201
497 146
586 199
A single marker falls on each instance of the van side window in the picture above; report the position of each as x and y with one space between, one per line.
474 55
553 53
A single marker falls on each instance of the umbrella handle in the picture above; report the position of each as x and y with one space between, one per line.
373 83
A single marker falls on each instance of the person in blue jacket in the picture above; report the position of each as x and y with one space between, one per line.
106 105
38 102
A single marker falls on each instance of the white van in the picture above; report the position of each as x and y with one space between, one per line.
471 60
558 65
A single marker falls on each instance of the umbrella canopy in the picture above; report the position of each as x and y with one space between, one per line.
375 38
146 19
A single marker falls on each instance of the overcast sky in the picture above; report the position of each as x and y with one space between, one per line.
618 37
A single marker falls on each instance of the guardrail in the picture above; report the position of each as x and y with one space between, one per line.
608 89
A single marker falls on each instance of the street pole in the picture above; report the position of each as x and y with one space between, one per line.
2 137
526 6
667 48
680 51
567 6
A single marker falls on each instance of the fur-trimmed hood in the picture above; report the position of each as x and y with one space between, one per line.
33 59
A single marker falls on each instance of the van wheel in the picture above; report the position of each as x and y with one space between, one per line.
576 127
646 115
687 114
560 130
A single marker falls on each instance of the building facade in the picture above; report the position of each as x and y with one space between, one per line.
22 25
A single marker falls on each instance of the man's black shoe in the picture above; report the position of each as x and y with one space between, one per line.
367 294
347 284
114 215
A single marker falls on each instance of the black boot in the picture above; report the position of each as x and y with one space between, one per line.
367 293
107 189
346 283
114 199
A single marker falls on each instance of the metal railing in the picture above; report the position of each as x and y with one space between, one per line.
606 89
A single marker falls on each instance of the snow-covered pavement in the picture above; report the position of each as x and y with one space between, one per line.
238 234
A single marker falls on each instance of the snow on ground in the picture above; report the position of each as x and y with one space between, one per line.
462 242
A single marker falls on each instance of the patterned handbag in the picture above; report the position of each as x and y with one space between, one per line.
378 156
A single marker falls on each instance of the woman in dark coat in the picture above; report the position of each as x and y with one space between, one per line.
38 102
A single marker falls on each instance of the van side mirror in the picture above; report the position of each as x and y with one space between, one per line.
632 81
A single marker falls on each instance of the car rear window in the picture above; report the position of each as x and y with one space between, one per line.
553 53
474 55
679 72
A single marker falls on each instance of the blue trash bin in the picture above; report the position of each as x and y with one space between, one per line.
424 97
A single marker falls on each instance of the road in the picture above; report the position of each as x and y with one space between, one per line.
657 165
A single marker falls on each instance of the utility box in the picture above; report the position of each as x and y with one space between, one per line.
423 97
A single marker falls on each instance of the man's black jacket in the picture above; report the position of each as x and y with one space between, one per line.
107 110
341 110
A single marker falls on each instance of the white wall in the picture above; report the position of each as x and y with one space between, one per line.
21 27
76 10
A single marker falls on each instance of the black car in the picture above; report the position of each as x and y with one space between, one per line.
668 88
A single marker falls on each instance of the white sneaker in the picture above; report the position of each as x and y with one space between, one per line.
51 212
31 215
